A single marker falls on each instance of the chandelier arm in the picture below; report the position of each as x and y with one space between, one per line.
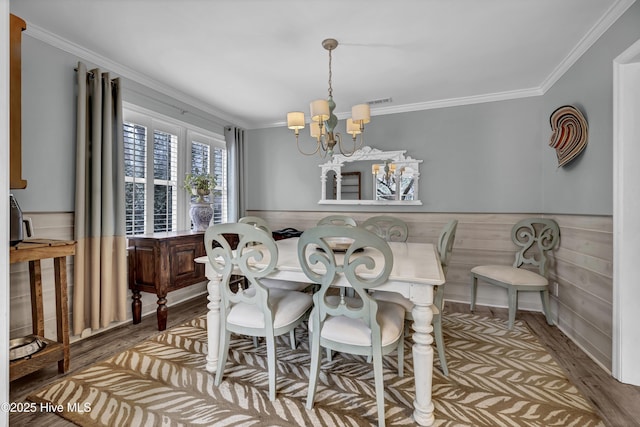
305 153
341 148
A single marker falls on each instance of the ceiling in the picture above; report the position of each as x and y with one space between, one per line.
251 61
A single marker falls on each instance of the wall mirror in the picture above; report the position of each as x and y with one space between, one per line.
370 177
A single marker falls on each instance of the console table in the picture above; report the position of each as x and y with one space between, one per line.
33 251
163 262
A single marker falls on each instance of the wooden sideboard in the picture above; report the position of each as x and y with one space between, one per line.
33 251
163 262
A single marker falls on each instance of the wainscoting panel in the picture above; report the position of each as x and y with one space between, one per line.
581 267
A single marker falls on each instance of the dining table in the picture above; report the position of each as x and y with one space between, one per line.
416 270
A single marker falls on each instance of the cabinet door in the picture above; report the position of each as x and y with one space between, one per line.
184 271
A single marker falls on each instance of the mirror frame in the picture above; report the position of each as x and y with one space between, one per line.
366 154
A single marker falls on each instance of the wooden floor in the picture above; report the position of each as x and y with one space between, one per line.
618 404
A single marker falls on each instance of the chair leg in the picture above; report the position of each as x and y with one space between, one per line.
401 357
544 296
314 369
513 306
474 291
329 354
223 350
271 363
437 332
379 380
292 338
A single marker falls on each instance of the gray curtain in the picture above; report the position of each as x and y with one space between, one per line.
100 273
236 165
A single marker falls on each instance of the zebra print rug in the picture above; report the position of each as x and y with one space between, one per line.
496 377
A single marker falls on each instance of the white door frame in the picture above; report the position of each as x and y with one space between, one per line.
626 215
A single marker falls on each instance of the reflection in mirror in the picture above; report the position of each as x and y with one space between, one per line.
391 182
394 178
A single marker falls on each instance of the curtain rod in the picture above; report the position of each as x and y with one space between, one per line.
180 109
92 76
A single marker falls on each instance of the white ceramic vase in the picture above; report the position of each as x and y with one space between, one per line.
201 215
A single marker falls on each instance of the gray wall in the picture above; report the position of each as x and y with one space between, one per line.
586 185
476 158
48 123
491 157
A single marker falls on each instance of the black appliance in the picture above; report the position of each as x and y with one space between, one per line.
16 233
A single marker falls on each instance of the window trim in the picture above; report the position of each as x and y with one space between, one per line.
186 133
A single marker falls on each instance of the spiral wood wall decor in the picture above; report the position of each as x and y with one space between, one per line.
569 133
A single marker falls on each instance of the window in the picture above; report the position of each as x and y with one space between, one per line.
210 156
156 154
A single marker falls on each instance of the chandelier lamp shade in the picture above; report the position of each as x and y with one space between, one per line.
323 122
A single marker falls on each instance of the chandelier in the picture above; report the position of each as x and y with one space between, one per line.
323 121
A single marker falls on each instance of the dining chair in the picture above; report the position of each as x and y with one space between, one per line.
261 224
361 326
388 227
257 222
257 311
445 249
338 220
536 237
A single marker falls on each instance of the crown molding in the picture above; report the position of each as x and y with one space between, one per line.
124 71
604 23
441 103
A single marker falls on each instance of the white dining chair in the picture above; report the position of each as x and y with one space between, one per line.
261 224
338 220
445 249
536 237
388 227
257 311
360 325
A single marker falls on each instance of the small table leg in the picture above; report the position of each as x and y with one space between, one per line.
62 320
162 312
136 306
37 313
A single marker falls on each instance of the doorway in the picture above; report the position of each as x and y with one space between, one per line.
626 214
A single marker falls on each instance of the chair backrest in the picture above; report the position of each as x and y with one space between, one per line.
366 263
338 220
445 243
256 221
253 245
390 228
535 237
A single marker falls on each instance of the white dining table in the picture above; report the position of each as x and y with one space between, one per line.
416 270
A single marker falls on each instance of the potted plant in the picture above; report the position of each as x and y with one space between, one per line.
199 184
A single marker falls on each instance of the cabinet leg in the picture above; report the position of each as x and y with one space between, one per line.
162 313
136 307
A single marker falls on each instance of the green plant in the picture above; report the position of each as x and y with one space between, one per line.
199 184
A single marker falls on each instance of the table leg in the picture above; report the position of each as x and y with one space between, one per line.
35 281
62 319
136 306
423 364
213 324
162 312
